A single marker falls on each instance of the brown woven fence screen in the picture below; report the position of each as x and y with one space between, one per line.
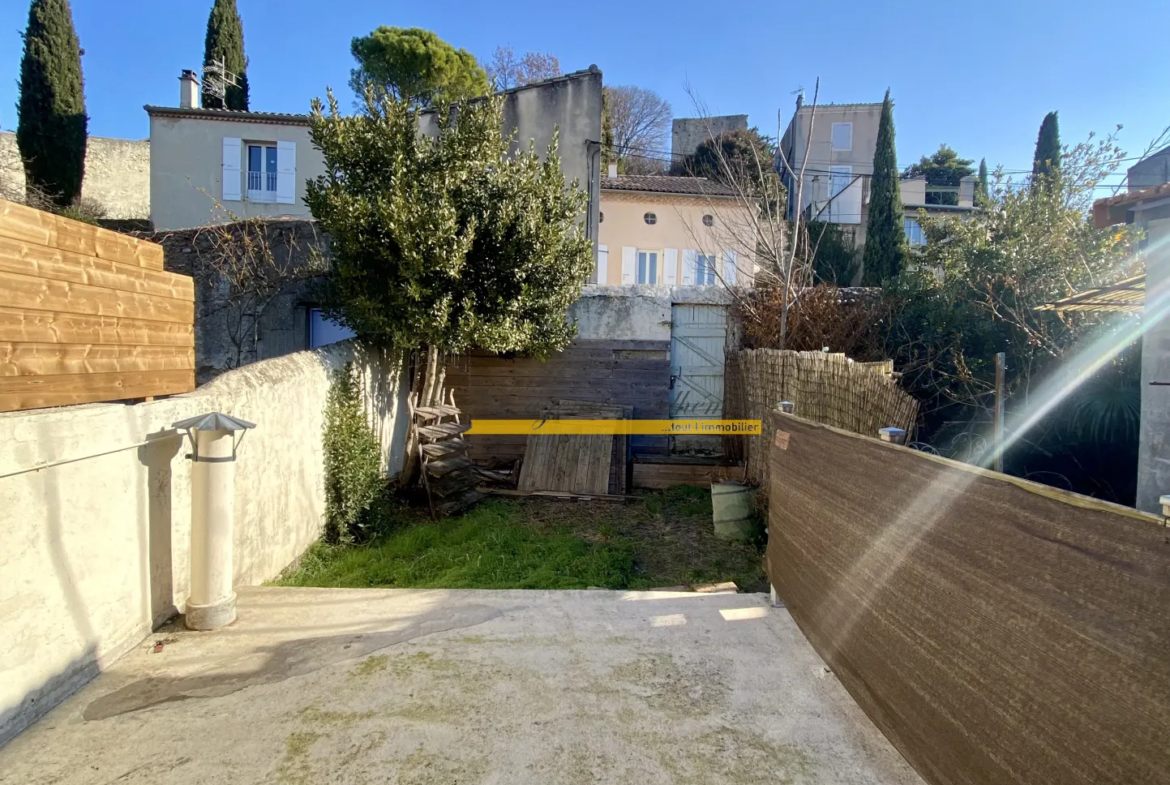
826 388
996 630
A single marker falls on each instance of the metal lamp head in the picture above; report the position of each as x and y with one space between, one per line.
213 421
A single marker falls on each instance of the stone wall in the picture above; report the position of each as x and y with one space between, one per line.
226 333
117 174
96 545
687 133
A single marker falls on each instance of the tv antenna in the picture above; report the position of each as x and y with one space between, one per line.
217 79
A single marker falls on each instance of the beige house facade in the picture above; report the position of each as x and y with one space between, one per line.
209 163
672 231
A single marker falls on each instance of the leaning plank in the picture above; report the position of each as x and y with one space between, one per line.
55 359
48 327
573 463
34 392
25 291
39 261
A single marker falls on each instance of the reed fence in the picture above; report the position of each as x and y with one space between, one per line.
826 388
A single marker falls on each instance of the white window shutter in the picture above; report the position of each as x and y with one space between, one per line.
602 265
670 266
286 172
688 267
233 156
629 262
730 270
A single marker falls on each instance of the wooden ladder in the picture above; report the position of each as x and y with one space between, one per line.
447 472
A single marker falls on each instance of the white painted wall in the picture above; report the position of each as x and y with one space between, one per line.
95 552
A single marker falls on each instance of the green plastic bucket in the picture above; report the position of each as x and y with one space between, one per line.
733 508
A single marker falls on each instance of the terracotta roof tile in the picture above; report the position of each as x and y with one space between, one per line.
666 184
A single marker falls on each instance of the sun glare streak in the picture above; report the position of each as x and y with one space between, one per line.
889 552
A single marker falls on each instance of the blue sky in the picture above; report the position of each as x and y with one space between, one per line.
979 76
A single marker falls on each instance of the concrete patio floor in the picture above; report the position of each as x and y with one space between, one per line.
413 686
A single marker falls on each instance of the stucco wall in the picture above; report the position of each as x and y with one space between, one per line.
637 313
679 225
117 174
187 156
96 551
1154 439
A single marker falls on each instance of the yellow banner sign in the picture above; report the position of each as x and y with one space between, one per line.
617 427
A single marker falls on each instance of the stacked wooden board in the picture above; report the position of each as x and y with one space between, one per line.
447 473
88 314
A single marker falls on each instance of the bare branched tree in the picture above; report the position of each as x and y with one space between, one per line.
639 120
506 70
752 218
252 261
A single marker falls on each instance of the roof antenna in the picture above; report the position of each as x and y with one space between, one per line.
217 79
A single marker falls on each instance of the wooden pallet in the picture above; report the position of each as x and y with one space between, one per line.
447 473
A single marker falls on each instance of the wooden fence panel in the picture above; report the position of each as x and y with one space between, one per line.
624 373
88 315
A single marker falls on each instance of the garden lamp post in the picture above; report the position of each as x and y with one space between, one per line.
212 603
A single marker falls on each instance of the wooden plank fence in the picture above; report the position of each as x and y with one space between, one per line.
625 373
88 314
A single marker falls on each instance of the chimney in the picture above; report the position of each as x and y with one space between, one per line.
967 192
613 171
800 99
188 90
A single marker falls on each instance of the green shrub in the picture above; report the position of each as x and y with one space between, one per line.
354 480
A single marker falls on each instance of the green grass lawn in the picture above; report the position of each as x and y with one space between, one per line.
663 539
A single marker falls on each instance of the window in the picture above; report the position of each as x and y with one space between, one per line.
262 173
601 218
323 332
705 269
708 220
650 218
648 265
843 136
914 233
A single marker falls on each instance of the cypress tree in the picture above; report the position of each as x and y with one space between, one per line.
984 193
1046 161
225 41
886 248
51 121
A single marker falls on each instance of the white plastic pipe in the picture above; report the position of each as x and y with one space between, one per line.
212 603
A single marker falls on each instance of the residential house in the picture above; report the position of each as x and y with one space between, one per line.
208 165
673 231
839 168
915 194
1150 171
212 166
1148 208
256 163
